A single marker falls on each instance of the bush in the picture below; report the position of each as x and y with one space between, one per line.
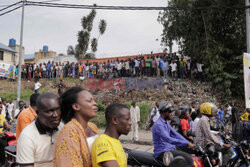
145 111
101 107
128 104
25 94
99 120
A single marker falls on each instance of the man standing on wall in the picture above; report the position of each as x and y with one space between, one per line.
135 118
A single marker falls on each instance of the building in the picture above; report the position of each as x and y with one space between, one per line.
59 59
10 54
34 58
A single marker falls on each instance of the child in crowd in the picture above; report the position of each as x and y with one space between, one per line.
37 86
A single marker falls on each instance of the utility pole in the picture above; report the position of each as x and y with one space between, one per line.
248 26
20 55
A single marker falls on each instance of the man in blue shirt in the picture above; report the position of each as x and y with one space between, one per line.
165 138
49 70
220 118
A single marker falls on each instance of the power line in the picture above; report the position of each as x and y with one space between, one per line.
58 5
51 1
10 10
9 6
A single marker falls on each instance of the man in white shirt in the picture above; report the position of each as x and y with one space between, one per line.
35 145
200 71
10 108
119 68
37 86
173 66
154 115
135 118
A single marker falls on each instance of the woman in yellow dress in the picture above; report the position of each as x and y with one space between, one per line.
73 145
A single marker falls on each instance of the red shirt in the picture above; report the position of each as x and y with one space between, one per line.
184 124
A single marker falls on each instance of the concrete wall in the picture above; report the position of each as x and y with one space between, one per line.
42 55
7 57
58 59
16 48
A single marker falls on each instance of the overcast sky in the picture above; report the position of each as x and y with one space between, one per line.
128 32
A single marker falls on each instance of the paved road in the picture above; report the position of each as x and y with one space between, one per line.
145 142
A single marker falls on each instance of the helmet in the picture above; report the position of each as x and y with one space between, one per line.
166 105
208 108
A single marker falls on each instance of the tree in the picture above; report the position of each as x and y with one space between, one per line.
214 36
84 36
71 50
61 54
102 27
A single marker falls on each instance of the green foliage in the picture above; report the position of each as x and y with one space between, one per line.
128 104
99 120
94 45
25 95
145 111
215 37
102 26
71 50
101 107
84 37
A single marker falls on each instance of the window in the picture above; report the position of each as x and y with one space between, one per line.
13 59
1 55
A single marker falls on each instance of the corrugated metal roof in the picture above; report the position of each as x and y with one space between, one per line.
5 47
29 56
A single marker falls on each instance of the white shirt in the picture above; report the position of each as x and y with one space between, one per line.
127 65
229 110
10 108
135 114
15 113
91 140
199 67
173 66
44 67
119 67
4 110
155 114
35 148
37 85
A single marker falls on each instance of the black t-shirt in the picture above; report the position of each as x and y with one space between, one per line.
234 115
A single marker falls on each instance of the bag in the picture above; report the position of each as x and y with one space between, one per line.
238 131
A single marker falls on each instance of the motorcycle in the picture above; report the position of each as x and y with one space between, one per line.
139 158
10 149
240 151
209 157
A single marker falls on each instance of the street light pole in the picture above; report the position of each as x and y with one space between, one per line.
20 56
248 26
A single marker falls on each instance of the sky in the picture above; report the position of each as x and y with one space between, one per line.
127 33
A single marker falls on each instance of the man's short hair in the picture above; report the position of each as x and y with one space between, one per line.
48 95
33 99
112 110
248 110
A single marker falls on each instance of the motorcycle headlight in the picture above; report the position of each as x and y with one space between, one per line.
210 149
220 158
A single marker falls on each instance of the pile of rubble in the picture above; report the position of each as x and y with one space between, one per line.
175 90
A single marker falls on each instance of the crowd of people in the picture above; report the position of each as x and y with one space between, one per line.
152 66
56 131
